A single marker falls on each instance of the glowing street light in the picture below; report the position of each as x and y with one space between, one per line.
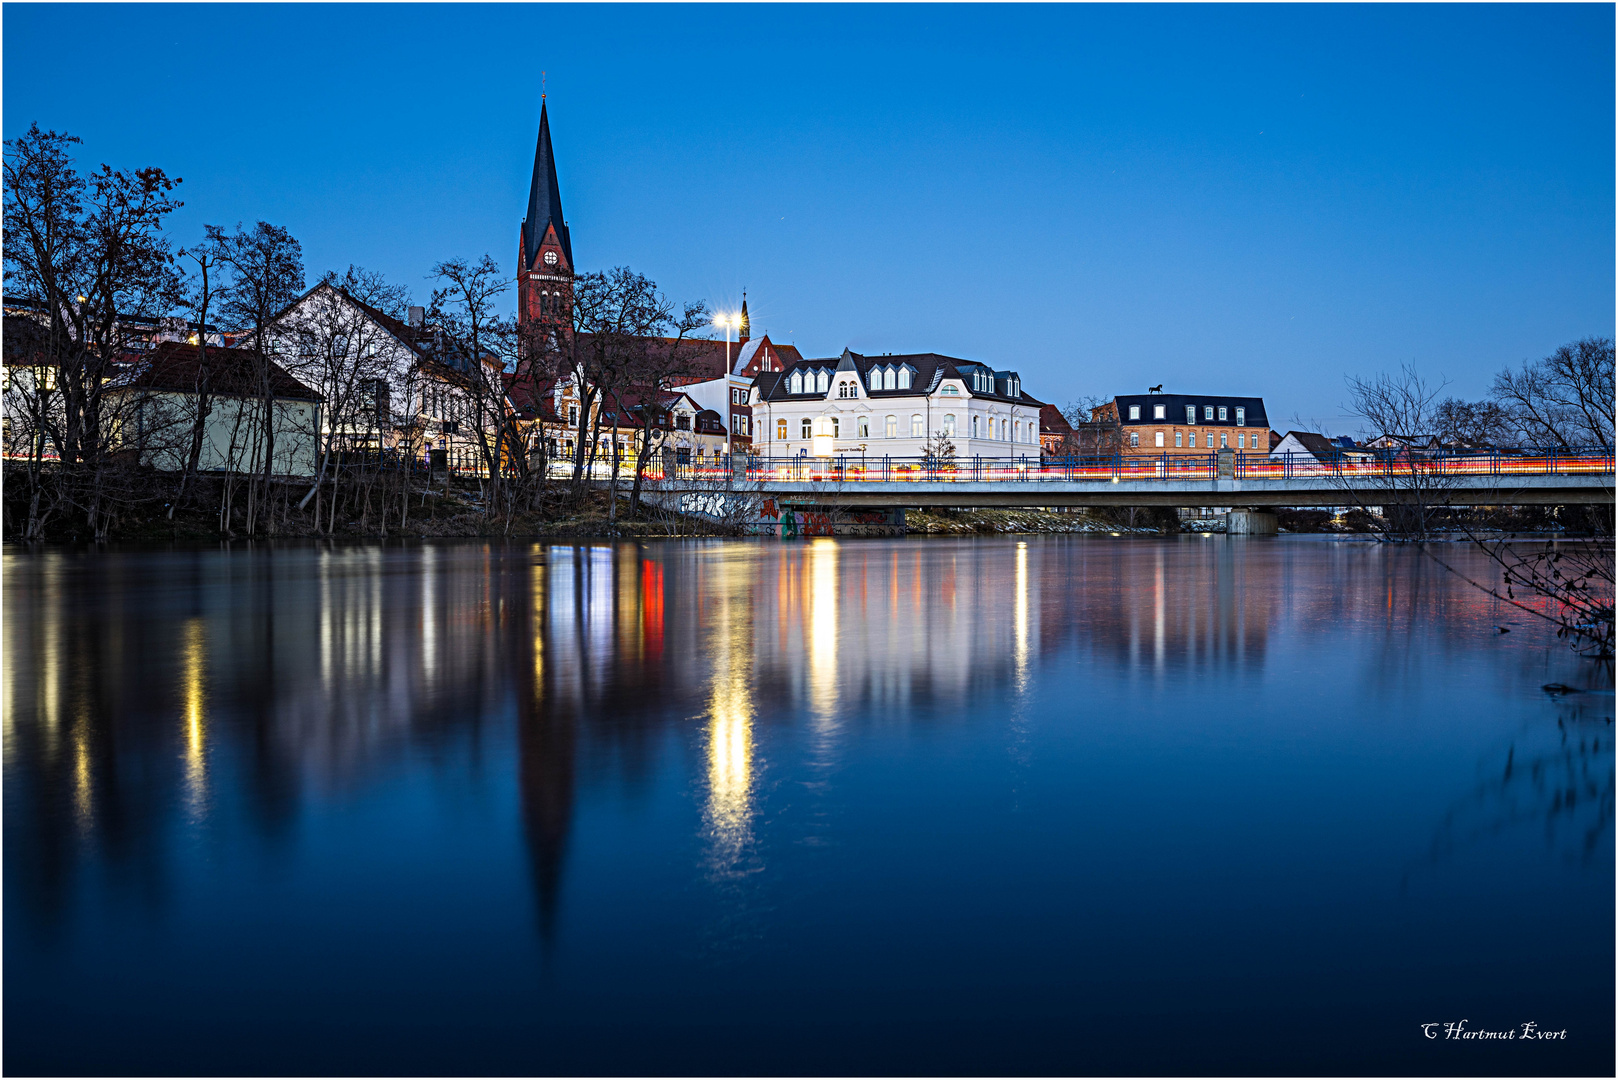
730 320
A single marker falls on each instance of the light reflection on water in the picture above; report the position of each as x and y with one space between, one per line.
977 787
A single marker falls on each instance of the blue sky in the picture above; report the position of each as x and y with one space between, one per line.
1247 200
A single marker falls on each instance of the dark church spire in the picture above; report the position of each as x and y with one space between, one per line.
744 330
544 200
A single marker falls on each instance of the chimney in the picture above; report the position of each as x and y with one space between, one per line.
418 317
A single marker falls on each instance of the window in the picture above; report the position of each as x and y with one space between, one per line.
975 427
1176 438
807 427
892 429
949 423
1207 412
1159 412
915 426
904 378
1002 429
1134 412
1224 440
864 427
1241 442
822 381
573 416
738 424
1134 438
1016 431
682 421
836 428
1241 417
949 388
780 431
797 382
1221 412
1190 414
887 379
1193 441
1160 438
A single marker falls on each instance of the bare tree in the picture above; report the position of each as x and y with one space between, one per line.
1397 407
1471 423
1564 400
87 257
265 275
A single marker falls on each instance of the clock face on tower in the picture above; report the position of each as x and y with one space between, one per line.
550 258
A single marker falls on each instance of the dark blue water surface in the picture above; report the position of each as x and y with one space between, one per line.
1054 805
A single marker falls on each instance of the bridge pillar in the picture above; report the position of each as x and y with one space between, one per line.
1251 523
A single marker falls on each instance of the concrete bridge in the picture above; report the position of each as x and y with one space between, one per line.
1485 490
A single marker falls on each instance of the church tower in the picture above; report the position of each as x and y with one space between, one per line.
744 330
545 255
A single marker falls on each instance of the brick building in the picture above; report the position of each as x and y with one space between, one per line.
1187 423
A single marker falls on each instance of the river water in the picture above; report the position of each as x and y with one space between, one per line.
1043 805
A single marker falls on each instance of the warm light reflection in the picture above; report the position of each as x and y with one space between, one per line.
730 725
1021 613
193 689
83 803
822 557
536 629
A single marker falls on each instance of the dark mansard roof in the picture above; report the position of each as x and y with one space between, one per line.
928 371
1175 406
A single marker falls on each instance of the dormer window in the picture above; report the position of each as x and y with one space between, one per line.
822 381
888 377
904 378
1134 412
797 382
1241 417
1207 412
1190 414
1159 412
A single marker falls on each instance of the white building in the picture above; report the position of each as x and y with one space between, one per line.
891 406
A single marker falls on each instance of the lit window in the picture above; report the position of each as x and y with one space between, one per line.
781 430
1241 417
1190 414
1134 412
1207 412
1176 438
893 427
1134 438
1221 412
1159 412
915 426
865 427
1224 440
1241 442
949 423
807 427
1160 438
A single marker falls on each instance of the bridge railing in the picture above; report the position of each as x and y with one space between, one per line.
1033 468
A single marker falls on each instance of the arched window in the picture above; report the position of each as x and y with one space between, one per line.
808 427
797 382
887 379
892 429
864 428
949 423
904 378
781 430
822 380
915 426
975 427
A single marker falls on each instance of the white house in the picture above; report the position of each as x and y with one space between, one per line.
892 406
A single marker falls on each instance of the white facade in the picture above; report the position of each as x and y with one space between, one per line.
834 413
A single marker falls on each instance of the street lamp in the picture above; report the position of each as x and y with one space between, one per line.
730 321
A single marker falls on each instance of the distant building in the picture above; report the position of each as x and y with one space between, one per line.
156 405
893 405
1055 433
1188 423
1321 447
